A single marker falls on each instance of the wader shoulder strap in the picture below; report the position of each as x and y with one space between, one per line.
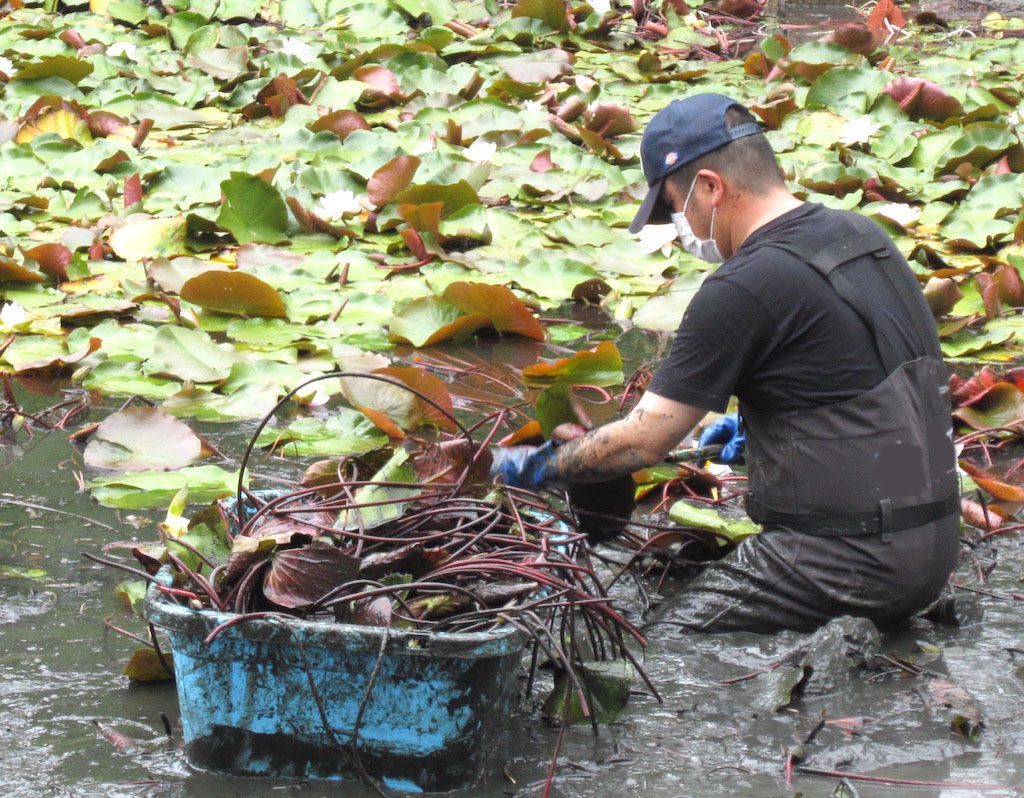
866 239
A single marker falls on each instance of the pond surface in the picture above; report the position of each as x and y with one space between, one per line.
60 671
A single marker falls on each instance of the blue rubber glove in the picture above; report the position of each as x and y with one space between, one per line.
728 432
529 467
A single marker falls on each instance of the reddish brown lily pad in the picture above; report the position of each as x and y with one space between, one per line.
497 302
391 179
234 293
922 99
298 578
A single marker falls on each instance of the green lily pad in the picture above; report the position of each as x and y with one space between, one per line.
148 489
345 432
253 210
394 470
188 355
686 514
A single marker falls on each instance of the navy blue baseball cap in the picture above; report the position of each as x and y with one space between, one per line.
679 133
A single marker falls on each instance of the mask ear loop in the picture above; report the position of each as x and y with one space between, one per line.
714 209
686 202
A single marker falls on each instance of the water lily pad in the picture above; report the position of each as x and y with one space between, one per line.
251 402
253 210
298 578
734 530
149 238
148 489
391 179
504 311
141 438
429 320
11 271
393 408
384 501
345 431
600 366
537 67
188 355
59 66
235 293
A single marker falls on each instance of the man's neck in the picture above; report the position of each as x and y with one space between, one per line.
754 212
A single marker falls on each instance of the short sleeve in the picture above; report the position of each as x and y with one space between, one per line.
722 335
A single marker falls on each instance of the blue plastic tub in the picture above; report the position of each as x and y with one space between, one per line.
281 697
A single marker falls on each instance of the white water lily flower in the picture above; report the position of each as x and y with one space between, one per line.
6 66
858 131
13 317
480 150
904 215
534 106
338 204
298 48
654 237
126 49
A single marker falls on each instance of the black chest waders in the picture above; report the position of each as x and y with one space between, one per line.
859 500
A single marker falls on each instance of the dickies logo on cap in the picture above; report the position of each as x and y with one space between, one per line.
671 158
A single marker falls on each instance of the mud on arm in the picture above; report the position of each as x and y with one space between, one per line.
641 439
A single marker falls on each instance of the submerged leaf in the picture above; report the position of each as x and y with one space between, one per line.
146 667
605 687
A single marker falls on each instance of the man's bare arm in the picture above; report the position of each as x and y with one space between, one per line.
641 439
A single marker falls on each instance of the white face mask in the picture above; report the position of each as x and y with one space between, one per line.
704 248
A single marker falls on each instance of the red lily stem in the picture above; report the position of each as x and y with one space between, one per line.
200 581
840 774
251 616
748 676
177 591
1000 531
120 566
125 632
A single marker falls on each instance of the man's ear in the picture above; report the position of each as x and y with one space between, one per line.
712 183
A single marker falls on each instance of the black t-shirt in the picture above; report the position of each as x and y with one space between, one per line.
770 330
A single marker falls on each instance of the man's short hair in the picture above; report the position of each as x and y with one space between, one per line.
748 163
